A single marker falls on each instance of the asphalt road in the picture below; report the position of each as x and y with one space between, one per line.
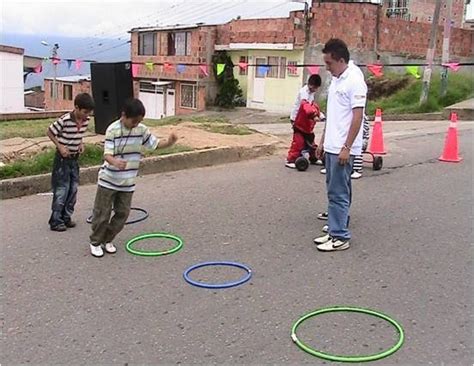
410 258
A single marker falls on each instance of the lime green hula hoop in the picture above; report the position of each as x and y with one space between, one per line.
177 239
339 358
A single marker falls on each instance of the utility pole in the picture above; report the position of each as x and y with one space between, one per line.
54 55
445 57
430 54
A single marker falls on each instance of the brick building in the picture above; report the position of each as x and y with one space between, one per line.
180 87
422 11
67 87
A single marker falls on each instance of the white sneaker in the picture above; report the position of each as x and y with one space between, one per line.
323 216
96 250
356 175
325 229
323 239
334 245
323 171
290 165
110 248
319 162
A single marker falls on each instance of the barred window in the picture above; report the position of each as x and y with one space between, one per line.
188 96
241 70
292 68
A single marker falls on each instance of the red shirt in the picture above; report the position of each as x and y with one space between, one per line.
305 118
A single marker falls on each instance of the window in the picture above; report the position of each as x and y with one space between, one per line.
241 70
179 44
188 96
67 92
147 44
277 67
292 68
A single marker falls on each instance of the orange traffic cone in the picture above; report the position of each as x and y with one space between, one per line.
450 152
376 142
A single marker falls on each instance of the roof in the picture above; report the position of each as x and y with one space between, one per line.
72 79
188 15
11 49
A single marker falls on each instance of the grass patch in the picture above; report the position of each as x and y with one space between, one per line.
460 87
30 128
225 129
42 162
169 150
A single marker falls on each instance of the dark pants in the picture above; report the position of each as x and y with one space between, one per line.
301 141
64 182
104 228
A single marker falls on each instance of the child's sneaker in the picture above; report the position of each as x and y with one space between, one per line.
322 216
356 175
110 248
290 165
323 171
96 250
325 229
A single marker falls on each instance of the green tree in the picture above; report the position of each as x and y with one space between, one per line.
229 93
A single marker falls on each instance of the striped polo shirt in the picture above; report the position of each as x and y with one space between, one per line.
67 132
128 145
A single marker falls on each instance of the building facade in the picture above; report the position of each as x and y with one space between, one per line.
11 79
67 87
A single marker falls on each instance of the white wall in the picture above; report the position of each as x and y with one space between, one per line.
11 83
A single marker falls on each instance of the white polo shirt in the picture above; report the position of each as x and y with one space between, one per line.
303 94
346 92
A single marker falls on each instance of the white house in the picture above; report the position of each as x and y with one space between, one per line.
11 79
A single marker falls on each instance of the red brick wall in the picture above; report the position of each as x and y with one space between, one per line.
422 10
356 24
60 103
278 30
35 99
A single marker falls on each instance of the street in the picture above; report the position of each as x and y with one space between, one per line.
410 258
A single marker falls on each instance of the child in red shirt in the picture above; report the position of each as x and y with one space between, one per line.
303 135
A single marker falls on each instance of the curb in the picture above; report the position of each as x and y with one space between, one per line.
24 186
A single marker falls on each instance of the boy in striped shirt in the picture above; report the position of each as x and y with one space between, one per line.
124 141
67 133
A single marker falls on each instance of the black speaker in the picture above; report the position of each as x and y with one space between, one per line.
112 85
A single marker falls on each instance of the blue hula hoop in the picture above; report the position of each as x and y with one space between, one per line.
217 285
144 216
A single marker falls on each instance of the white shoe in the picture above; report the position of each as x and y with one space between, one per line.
334 245
290 165
323 171
322 216
319 162
323 239
356 175
110 248
325 229
96 250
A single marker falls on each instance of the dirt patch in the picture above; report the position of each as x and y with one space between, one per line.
16 148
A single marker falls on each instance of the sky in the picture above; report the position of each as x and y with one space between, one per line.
112 19
106 18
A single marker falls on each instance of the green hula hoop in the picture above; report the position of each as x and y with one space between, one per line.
339 358
177 239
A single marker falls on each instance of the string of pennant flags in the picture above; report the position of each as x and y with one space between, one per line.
263 69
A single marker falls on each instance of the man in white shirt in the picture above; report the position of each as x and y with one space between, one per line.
341 141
